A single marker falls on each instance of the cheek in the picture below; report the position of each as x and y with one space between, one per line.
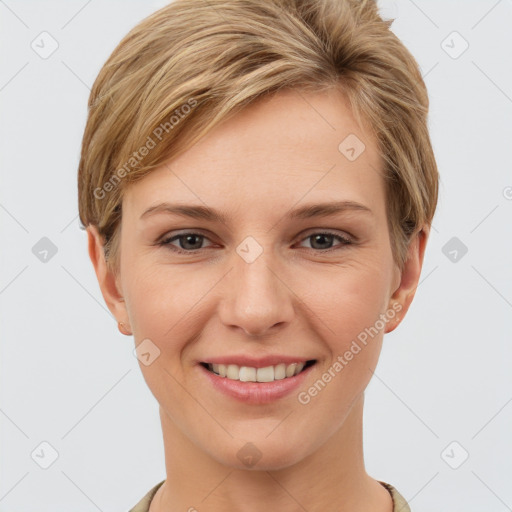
161 297
349 318
347 299
161 309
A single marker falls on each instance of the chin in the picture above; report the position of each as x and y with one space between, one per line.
261 456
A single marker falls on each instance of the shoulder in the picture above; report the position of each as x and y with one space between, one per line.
399 503
143 504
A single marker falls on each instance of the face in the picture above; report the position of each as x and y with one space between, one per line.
264 286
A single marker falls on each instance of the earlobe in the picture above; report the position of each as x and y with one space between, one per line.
107 280
409 278
123 330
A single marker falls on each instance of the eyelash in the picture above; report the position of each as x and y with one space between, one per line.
166 242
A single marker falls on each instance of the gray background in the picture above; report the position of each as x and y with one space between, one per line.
442 388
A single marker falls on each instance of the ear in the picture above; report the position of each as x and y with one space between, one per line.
107 279
409 277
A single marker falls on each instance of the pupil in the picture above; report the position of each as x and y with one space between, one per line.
188 238
316 237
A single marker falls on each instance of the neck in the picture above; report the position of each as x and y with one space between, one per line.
333 474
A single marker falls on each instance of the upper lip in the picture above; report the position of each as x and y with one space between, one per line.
256 362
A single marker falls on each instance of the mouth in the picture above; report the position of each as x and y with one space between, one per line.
281 371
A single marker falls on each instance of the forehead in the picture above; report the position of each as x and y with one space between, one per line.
280 149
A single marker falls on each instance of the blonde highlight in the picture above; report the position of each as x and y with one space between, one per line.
225 54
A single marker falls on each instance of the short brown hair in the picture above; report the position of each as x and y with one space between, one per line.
193 63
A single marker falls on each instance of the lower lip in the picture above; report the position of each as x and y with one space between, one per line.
256 392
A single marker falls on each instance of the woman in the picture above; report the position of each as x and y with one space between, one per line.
257 182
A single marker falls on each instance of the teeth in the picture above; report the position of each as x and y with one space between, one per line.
279 371
250 374
233 372
265 374
290 369
247 374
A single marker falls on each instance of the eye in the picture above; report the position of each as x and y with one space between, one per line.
188 242
191 242
320 239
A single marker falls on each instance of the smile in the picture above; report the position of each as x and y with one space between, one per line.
251 374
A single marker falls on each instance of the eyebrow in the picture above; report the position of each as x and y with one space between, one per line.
307 211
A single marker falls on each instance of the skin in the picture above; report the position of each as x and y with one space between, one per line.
295 298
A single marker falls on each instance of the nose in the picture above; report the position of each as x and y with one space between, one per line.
256 298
